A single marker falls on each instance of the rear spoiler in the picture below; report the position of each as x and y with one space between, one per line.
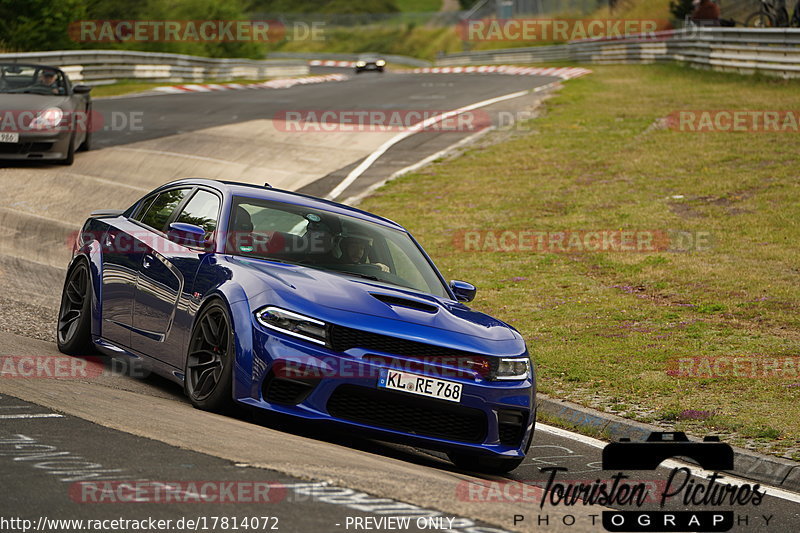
107 213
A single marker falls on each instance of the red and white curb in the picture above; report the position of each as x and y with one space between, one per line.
565 73
331 63
280 83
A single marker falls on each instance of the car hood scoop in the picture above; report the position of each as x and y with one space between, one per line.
405 302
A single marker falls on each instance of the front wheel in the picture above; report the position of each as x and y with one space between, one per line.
73 334
208 380
86 145
70 157
759 20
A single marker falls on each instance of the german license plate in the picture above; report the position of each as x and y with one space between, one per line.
9 137
419 385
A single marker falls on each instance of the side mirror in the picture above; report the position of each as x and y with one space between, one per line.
187 234
464 291
81 89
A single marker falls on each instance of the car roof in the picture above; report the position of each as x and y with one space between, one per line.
266 192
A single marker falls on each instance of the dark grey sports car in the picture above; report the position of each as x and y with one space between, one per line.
42 115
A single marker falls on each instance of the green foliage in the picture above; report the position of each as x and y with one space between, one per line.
38 24
27 25
198 10
339 7
681 8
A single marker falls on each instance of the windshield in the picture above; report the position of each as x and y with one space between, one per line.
327 241
30 79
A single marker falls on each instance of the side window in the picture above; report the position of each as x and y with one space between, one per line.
139 209
202 210
162 208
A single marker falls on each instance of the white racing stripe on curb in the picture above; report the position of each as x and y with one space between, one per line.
279 83
671 463
371 158
360 169
331 63
37 415
565 73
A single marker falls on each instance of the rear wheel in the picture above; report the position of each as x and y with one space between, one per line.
73 334
208 378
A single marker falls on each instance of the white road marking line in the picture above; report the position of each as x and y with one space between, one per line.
15 406
36 415
671 463
419 164
360 169
357 198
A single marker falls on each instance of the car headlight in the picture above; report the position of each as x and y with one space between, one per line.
361 64
380 62
512 368
47 119
293 324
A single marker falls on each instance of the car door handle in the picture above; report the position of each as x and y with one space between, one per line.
147 261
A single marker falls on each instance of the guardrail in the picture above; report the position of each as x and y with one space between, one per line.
400 60
774 51
98 67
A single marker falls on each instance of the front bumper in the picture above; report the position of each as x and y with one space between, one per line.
369 67
302 379
37 146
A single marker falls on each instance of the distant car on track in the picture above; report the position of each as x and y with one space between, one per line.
45 117
279 301
370 63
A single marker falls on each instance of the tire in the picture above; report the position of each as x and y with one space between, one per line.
73 330
759 19
70 158
208 374
86 145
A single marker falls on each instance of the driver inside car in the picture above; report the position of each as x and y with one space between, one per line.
49 79
354 251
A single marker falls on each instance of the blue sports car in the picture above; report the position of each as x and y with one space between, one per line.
249 295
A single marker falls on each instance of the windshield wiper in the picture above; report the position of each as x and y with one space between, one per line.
359 275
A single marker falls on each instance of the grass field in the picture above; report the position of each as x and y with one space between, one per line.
604 328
